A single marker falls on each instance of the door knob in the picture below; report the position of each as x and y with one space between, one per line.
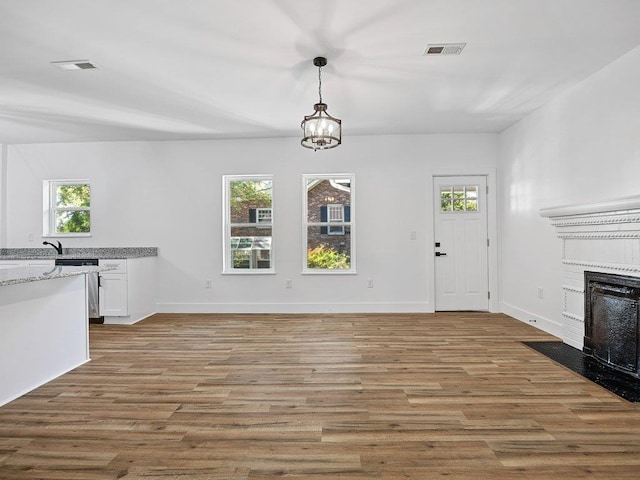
438 254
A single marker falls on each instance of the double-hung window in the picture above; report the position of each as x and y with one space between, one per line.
329 227
66 208
248 224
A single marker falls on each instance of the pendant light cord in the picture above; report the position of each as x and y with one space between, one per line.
320 83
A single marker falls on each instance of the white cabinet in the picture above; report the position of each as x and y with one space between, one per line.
10 263
113 292
127 292
38 263
26 263
113 298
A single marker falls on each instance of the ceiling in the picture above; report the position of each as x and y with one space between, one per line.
209 69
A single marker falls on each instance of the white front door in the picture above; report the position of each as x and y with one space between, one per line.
461 243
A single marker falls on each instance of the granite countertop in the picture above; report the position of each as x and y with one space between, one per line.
13 276
100 253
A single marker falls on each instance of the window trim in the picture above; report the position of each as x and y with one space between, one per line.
306 178
227 259
49 210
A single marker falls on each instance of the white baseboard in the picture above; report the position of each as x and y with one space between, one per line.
125 320
417 307
545 324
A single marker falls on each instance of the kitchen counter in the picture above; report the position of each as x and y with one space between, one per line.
127 276
98 252
14 276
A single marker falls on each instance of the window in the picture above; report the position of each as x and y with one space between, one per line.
67 208
263 216
329 238
459 198
248 224
335 214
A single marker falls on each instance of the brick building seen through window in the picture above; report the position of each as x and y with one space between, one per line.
329 201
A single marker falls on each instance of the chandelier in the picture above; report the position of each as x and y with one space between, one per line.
321 130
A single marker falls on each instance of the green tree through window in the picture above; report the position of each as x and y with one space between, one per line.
257 193
69 199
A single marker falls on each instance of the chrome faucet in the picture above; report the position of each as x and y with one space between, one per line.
58 248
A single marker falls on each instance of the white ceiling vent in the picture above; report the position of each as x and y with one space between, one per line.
75 65
444 49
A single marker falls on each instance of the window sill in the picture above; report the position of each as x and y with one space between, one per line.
254 271
67 235
329 272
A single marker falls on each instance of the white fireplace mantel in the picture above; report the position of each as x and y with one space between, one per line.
620 205
601 237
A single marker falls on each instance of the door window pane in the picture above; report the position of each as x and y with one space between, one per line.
458 198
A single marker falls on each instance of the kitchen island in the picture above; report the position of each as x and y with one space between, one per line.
44 329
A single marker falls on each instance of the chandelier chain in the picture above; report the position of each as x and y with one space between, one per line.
320 83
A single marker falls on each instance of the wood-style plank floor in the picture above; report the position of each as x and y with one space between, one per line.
237 397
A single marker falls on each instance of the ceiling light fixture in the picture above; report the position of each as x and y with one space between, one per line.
321 130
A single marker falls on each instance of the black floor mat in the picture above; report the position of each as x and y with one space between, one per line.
624 385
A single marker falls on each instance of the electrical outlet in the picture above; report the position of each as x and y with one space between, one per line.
540 292
413 235
370 283
30 237
208 283
288 284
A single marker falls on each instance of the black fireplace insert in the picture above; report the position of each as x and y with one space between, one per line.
612 320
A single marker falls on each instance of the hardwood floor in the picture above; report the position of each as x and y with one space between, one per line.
252 397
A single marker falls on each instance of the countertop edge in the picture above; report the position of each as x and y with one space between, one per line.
106 253
19 275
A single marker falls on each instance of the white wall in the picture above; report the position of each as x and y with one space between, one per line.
168 194
4 154
582 147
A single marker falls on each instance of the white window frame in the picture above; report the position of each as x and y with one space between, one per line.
49 191
306 178
227 258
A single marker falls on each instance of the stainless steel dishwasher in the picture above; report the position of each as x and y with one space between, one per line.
92 284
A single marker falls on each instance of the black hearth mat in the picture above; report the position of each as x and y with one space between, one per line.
624 385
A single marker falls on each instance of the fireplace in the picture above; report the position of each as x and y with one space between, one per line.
612 320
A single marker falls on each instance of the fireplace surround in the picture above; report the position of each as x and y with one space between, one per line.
599 237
